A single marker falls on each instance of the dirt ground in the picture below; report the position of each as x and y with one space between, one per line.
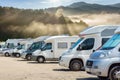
19 69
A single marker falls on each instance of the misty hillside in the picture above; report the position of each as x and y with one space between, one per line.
24 23
82 7
116 5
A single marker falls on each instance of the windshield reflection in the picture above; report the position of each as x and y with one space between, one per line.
111 43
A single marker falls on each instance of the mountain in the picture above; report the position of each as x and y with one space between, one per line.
116 5
82 7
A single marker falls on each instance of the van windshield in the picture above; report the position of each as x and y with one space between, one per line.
76 43
36 45
111 43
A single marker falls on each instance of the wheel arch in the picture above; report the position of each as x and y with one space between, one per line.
76 59
41 56
111 66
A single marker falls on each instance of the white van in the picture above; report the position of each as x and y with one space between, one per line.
2 46
90 40
37 44
10 45
105 63
24 45
53 48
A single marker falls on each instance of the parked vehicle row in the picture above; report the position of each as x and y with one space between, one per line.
96 50
90 40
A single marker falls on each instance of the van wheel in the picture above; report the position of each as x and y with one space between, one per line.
28 57
40 59
102 78
76 65
113 73
17 55
7 54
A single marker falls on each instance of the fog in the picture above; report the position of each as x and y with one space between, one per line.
97 19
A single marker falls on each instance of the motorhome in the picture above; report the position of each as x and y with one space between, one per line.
10 45
24 45
90 40
37 44
105 63
2 46
53 48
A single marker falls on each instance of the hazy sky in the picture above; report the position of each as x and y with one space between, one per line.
37 4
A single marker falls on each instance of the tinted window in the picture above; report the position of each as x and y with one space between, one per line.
87 44
104 40
37 45
72 43
62 45
47 46
10 45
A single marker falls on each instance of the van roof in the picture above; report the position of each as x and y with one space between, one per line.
14 40
41 38
58 37
104 30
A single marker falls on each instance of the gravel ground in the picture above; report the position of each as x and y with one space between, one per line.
19 69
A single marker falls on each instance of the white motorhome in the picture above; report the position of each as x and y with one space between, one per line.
24 45
53 48
90 40
37 44
105 63
10 45
2 46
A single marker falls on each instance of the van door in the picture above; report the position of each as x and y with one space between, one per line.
86 48
48 53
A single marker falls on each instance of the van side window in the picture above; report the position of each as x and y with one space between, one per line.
62 45
88 44
48 46
104 40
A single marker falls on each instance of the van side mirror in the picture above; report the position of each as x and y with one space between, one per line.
79 48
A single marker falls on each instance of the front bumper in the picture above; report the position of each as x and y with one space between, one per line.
98 67
33 58
23 55
64 61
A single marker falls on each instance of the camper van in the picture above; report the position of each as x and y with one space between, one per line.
2 46
10 45
90 40
37 44
105 63
24 45
53 48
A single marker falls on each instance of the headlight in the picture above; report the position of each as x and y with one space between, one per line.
98 54
102 55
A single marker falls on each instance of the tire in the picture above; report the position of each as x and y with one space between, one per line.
113 71
28 57
40 59
17 55
7 54
103 78
76 65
